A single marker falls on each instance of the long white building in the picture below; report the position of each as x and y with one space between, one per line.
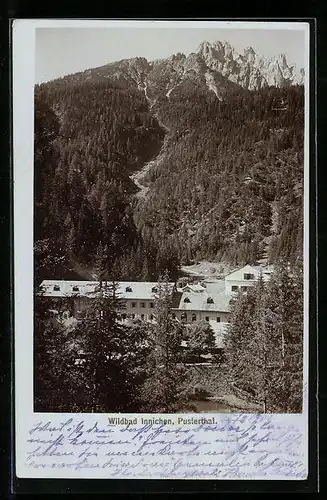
205 300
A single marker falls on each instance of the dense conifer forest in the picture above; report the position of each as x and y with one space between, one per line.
227 187
264 341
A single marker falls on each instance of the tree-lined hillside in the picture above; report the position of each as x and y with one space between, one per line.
97 135
228 186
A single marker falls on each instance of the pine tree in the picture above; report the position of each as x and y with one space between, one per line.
165 390
238 339
259 348
114 353
264 344
60 382
285 320
201 339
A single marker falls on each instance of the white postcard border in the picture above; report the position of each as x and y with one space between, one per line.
23 139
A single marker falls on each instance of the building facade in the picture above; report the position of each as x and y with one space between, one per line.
136 299
244 277
206 300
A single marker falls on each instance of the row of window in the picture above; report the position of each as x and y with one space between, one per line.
143 305
194 317
124 316
235 288
183 317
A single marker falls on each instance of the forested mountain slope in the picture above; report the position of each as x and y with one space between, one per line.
228 186
84 202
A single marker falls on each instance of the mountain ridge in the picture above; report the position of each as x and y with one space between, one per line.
213 65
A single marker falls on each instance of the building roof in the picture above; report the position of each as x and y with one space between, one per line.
199 301
139 290
196 287
48 288
257 270
215 287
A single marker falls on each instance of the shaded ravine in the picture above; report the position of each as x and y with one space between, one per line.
138 176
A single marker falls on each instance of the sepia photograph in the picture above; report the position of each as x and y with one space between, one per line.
169 202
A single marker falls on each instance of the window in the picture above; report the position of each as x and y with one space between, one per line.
75 289
133 316
248 276
207 318
143 304
151 316
193 317
128 289
133 304
151 305
142 316
174 315
187 299
56 288
218 319
244 288
154 289
234 288
209 300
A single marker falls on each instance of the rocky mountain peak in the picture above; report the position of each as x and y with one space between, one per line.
249 55
177 57
249 69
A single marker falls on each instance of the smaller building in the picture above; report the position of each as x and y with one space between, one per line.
203 301
246 276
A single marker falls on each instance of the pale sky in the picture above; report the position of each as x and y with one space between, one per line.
62 51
